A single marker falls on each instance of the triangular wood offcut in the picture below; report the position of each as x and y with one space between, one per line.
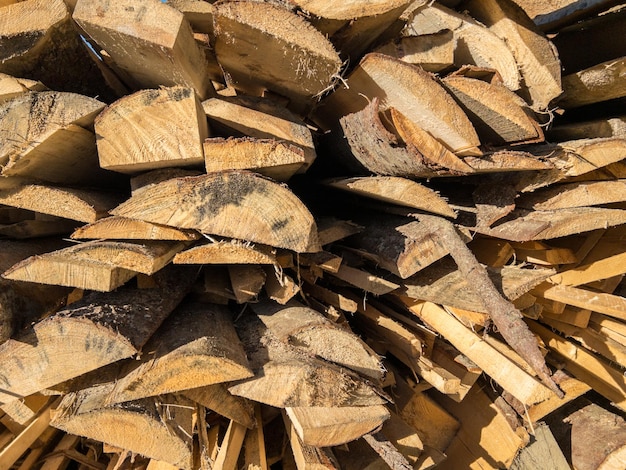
433 52
289 57
44 135
601 82
99 328
587 193
152 129
410 90
11 87
234 204
153 31
217 398
475 44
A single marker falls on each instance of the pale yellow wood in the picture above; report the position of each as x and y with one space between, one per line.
598 374
33 457
160 465
331 298
595 271
331 230
68 442
433 52
198 12
608 326
246 281
288 55
10 87
485 434
326 427
149 41
475 44
492 252
434 152
160 429
234 204
535 55
75 204
393 82
601 82
575 195
254 445
500 368
404 437
499 115
261 119
610 127
571 315
364 280
12 452
230 447
279 286
608 304
152 129
571 387
120 228
313 333
45 135
217 398
308 457
227 252
272 158
23 411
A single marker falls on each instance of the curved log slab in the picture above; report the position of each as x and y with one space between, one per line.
152 129
234 204
217 398
99 328
227 252
159 428
289 57
311 332
120 228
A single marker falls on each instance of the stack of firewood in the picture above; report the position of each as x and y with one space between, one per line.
312 234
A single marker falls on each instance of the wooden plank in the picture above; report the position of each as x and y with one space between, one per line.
217 398
230 196
246 281
308 457
608 304
364 280
599 83
156 33
254 445
230 447
511 377
594 271
60 460
120 228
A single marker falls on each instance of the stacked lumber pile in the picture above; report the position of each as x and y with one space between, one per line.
312 234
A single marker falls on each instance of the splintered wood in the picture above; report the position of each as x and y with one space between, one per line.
312 235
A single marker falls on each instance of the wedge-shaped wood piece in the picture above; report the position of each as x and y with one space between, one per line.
99 329
288 55
601 82
43 135
152 129
196 346
509 161
475 44
317 336
500 368
234 204
151 43
272 158
365 280
11 87
285 376
535 55
443 284
227 252
217 398
575 195
306 456
610 127
151 178
326 427
399 245
499 115
120 228
486 436
261 119
544 225
97 265
433 52
76 204
230 447
604 268
159 428
396 84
